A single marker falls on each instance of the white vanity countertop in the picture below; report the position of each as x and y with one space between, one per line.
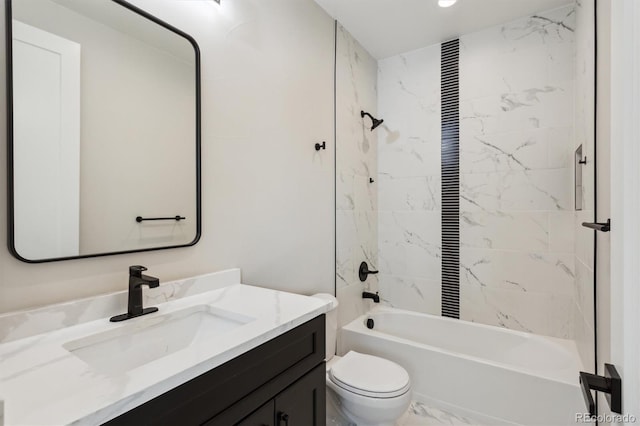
42 383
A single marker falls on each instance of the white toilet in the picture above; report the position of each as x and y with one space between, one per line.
369 390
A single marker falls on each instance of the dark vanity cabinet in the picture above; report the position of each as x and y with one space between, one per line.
279 383
300 404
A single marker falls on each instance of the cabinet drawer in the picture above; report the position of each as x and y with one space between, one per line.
287 358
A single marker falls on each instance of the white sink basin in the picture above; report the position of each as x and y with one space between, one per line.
146 339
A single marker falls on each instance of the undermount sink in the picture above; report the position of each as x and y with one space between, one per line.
147 339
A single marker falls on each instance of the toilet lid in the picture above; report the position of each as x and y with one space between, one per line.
369 375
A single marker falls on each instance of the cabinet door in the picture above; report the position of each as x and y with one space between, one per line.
304 402
263 416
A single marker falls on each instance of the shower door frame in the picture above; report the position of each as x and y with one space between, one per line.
625 198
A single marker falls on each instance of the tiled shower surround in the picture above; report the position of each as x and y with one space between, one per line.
409 202
516 169
356 153
585 125
409 180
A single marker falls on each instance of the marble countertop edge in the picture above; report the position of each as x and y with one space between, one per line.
64 390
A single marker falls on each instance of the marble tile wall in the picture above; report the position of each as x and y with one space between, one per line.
584 125
409 200
517 232
356 163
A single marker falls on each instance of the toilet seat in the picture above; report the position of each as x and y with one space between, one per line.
370 376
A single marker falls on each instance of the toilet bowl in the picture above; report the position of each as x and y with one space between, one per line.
367 390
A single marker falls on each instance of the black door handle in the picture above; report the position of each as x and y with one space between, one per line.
610 384
602 227
364 271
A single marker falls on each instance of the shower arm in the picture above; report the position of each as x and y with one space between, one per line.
363 114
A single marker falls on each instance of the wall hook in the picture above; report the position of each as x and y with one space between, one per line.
371 180
323 146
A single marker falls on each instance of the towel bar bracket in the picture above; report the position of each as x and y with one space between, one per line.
610 383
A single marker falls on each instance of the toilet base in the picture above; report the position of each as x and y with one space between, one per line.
366 411
335 414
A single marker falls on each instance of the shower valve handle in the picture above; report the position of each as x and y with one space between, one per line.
364 271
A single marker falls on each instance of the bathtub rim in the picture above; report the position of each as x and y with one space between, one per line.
358 325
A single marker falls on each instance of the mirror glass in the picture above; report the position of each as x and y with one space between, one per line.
104 114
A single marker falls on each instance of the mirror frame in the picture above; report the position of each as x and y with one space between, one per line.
9 100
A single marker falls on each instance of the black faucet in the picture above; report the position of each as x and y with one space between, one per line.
367 295
136 281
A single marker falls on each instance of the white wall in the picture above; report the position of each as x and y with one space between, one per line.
356 162
619 22
267 195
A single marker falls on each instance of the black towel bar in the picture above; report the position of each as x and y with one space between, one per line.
176 218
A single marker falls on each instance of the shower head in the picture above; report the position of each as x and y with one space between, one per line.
376 123
374 120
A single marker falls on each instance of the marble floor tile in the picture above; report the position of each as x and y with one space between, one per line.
419 414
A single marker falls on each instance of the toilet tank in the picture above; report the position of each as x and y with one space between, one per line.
331 324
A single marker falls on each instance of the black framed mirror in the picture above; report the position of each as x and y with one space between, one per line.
104 131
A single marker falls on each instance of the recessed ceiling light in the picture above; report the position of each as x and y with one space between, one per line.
446 3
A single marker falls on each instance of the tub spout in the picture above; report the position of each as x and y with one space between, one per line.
367 295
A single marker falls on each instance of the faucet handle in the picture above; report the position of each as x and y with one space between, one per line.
364 271
136 270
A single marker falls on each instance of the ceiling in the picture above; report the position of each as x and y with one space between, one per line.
390 27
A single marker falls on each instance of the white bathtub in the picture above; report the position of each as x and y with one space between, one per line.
491 374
